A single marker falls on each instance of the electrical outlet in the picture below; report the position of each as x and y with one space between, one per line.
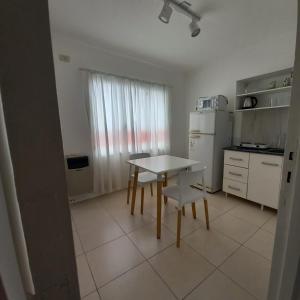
64 58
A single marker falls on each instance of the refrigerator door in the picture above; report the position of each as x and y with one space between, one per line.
202 149
202 123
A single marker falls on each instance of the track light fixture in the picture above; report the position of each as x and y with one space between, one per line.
184 8
194 28
166 13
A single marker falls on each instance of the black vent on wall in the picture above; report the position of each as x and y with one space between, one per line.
77 162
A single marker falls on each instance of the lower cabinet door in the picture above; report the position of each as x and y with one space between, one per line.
264 179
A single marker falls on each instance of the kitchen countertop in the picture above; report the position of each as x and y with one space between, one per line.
269 151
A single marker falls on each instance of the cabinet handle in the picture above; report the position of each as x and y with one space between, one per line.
235 174
234 188
270 164
237 159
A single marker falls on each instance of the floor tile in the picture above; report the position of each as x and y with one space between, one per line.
219 287
252 213
145 239
139 283
250 270
92 296
223 204
77 243
115 201
262 242
86 282
94 234
116 260
235 228
213 212
151 207
130 222
214 246
112 259
87 212
270 226
188 224
182 269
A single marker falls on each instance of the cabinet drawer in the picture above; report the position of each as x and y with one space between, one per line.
236 173
265 179
236 158
234 187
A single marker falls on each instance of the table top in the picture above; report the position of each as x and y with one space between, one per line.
163 163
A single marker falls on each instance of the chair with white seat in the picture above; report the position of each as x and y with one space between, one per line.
184 193
144 178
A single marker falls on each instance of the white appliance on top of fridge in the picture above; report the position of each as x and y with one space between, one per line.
210 131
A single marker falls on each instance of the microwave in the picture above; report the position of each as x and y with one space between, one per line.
212 103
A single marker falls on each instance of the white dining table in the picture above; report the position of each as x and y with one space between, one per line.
159 165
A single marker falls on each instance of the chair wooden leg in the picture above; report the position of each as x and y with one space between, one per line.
136 174
142 200
166 184
183 210
158 213
151 187
178 227
206 214
194 210
128 191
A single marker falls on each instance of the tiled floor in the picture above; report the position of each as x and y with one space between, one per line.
119 257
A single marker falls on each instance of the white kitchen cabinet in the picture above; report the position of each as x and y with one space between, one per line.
236 158
235 187
235 177
256 177
236 173
264 179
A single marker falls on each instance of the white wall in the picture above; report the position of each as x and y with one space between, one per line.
74 122
219 77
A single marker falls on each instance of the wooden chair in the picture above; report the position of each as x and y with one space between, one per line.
144 178
184 193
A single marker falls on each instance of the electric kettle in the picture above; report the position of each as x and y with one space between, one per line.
249 102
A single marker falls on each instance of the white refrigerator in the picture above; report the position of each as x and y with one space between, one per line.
209 133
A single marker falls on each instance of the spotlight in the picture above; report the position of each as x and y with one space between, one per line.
166 12
194 28
183 7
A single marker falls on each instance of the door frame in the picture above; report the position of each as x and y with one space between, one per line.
285 271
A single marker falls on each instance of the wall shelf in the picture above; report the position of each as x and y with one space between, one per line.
257 87
262 108
275 90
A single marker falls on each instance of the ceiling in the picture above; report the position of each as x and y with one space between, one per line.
131 27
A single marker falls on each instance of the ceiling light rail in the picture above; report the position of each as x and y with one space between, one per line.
182 7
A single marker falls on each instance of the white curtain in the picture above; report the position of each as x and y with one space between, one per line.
126 116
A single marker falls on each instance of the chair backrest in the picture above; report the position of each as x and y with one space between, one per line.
139 155
187 178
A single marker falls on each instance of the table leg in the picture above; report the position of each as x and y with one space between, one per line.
136 174
159 186
142 200
165 184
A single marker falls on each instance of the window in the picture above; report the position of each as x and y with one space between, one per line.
129 115
126 116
